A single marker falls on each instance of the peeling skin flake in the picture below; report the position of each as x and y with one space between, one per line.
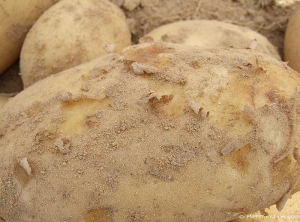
25 165
253 44
66 96
197 108
63 145
232 146
155 96
109 48
285 64
85 87
281 203
142 69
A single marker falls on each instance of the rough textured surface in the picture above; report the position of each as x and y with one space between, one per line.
16 18
70 33
185 134
211 34
291 212
292 43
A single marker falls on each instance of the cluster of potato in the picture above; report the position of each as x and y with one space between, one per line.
16 18
198 122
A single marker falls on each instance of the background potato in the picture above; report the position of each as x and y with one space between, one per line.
291 41
70 33
211 34
211 133
16 18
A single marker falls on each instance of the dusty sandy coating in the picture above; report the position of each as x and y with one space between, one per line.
292 43
161 132
212 33
291 212
16 18
70 33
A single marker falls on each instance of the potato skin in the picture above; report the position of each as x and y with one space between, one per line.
16 18
290 212
70 33
291 41
119 138
212 33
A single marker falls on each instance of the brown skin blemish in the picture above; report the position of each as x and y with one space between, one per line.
195 65
98 215
275 97
239 159
150 56
284 167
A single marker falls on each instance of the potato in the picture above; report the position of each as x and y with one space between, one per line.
16 18
70 33
291 41
291 212
161 132
211 34
3 100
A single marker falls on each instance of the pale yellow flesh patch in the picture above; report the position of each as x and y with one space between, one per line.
76 113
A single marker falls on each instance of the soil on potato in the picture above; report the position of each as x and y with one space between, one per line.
263 16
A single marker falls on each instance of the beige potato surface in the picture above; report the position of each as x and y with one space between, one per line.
70 33
16 18
292 43
291 212
212 33
160 132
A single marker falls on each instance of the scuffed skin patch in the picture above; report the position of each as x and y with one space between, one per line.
96 215
239 159
77 113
